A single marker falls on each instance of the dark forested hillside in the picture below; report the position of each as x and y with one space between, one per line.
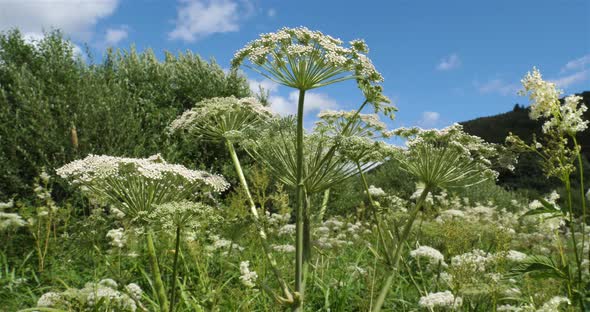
495 129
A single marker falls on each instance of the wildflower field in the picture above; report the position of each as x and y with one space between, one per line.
141 184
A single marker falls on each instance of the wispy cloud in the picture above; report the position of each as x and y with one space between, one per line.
75 18
571 79
577 64
115 35
497 86
429 119
266 84
450 62
197 19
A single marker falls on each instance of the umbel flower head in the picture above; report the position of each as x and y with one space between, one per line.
305 59
447 158
179 214
136 185
358 135
222 117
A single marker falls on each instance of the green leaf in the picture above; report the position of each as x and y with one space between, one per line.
541 267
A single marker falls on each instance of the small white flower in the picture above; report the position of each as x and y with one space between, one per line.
248 277
49 299
434 256
443 299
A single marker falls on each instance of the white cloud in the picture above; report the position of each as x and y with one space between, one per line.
266 84
450 62
577 64
74 17
497 86
197 19
429 119
566 81
33 39
115 35
313 102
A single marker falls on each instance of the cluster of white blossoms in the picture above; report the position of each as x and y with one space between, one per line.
94 296
376 191
433 256
475 260
291 45
544 97
10 220
334 233
339 119
101 167
553 304
117 237
444 299
184 214
284 248
248 278
218 243
222 117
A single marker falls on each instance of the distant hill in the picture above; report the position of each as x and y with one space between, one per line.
495 128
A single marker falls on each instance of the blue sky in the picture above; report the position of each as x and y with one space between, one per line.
443 61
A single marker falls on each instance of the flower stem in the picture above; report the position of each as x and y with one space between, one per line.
582 195
260 229
175 269
299 272
398 249
158 284
374 212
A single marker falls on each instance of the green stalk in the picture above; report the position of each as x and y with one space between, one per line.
299 286
374 212
398 250
324 207
582 194
175 269
571 220
158 284
261 232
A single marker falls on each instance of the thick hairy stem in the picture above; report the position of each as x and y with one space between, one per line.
398 250
175 270
259 227
299 272
158 284
325 199
375 214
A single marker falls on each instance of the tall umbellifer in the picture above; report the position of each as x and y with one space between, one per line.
226 119
136 186
304 59
446 159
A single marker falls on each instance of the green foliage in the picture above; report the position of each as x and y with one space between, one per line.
56 107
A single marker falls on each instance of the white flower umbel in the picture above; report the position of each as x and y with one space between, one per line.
8 204
376 191
444 299
125 182
222 117
290 49
248 278
117 237
49 300
434 256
